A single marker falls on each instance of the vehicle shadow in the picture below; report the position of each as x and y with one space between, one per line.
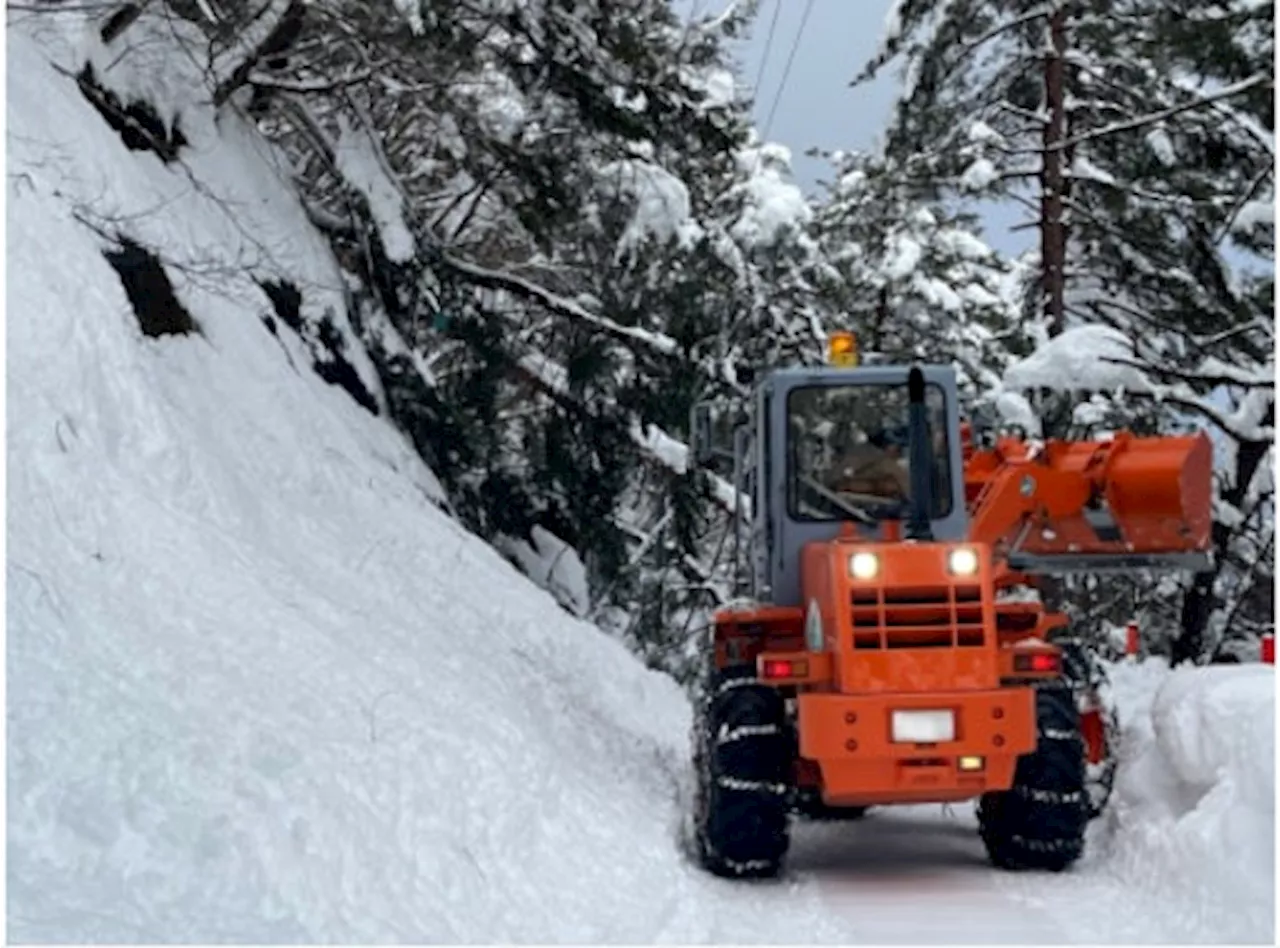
887 842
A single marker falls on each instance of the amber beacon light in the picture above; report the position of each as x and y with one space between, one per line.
842 349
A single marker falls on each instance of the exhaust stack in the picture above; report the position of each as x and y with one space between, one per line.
919 457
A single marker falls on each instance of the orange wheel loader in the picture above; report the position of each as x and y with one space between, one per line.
883 649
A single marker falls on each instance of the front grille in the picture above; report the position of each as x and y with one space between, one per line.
917 617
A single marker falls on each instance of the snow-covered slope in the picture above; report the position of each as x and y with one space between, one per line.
261 689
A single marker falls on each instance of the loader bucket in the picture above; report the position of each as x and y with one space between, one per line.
1150 506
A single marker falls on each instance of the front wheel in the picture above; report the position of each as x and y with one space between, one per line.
1039 823
743 769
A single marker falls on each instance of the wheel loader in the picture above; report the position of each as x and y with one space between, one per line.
887 644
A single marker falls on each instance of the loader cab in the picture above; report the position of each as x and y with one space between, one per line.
823 448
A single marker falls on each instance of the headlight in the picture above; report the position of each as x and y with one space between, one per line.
864 565
963 562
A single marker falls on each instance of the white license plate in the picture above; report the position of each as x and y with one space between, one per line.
924 727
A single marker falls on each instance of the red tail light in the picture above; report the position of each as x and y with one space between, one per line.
1037 662
783 668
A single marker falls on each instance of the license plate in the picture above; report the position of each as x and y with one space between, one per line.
924 727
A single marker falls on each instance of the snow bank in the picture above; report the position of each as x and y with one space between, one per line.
1193 815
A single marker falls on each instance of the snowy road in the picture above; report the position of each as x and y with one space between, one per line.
920 875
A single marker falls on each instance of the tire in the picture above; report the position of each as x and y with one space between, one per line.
744 771
1040 822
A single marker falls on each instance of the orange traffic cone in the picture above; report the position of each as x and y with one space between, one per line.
1132 640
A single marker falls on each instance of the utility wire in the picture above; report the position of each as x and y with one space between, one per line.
768 44
786 71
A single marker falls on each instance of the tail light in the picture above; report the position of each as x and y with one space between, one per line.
1038 662
775 668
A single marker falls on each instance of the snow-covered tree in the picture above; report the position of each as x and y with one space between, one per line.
914 277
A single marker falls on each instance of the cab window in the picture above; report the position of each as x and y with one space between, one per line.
847 454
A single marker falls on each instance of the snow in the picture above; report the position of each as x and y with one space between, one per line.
903 256
1085 170
1161 145
1016 411
984 134
498 102
1254 214
554 566
263 689
980 174
357 161
411 10
772 204
672 453
1197 783
662 205
1078 360
718 86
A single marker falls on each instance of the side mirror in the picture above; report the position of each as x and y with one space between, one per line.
711 425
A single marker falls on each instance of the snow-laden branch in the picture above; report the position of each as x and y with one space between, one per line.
1226 92
1221 374
1241 202
1240 426
264 34
526 289
351 78
655 444
968 49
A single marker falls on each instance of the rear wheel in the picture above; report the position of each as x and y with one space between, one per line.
743 769
1040 822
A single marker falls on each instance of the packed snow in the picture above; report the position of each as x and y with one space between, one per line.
1195 795
263 689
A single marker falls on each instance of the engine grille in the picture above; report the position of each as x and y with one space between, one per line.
942 616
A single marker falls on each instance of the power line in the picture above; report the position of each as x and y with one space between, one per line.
768 44
786 71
